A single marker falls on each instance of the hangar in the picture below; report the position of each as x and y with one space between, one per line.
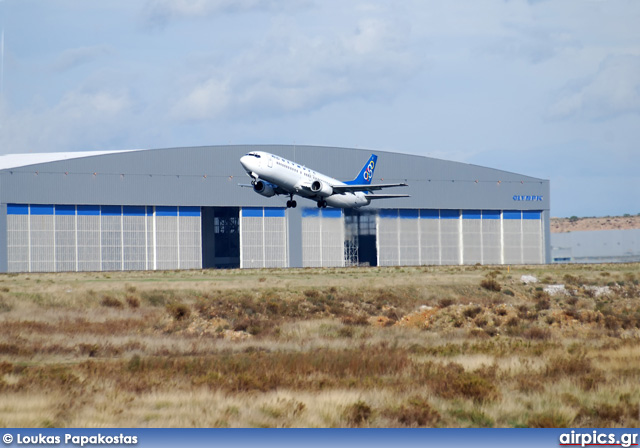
182 208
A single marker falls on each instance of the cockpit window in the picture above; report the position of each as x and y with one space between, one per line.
253 155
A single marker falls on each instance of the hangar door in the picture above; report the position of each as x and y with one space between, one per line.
450 237
323 243
263 237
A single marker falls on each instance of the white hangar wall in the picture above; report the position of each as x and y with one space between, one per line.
58 238
43 238
449 237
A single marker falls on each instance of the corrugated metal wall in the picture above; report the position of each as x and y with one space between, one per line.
430 246
48 238
449 237
532 239
263 237
89 240
388 238
471 236
323 233
491 237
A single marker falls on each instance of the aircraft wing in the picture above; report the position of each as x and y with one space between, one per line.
364 187
276 188
386 196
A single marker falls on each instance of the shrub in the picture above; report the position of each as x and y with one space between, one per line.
611 322
570 366
491 331
611 413
525 313
480 321
477 418
360 319
490 284
133 301
358 413
134 364
416 412
111 302
572 301
537 333
311 294
346 332
155 298
592 380
90 350
571 280
446 302
250 325
179 311
530 384
550 419
472 311
543 304
452 381
5 367
4 306
540 294
513 321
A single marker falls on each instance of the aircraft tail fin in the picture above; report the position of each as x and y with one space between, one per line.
366 173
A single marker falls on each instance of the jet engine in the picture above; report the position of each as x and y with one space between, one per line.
264 188
321 189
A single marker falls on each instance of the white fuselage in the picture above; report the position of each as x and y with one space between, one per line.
293 178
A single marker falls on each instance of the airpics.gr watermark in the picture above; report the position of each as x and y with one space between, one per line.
601 439
69 439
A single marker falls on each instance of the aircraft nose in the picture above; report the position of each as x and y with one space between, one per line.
245 161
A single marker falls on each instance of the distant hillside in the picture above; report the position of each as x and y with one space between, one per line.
562 225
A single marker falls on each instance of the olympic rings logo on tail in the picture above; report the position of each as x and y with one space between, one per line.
368 173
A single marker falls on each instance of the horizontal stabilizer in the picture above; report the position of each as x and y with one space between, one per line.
363 187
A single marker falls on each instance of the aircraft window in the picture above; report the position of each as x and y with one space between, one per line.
253 155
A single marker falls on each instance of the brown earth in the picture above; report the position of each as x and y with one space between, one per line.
563 225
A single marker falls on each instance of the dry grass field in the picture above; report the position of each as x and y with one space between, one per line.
356 347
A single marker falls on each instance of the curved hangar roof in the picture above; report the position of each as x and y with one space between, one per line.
209 176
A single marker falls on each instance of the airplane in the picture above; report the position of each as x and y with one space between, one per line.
274 175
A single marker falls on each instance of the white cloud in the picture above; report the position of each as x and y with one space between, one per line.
614 90
293 72
77 56
208 98
158 13
535 44
80 120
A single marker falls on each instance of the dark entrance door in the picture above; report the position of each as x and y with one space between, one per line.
220 237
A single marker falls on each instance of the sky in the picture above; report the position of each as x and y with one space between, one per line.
545 88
